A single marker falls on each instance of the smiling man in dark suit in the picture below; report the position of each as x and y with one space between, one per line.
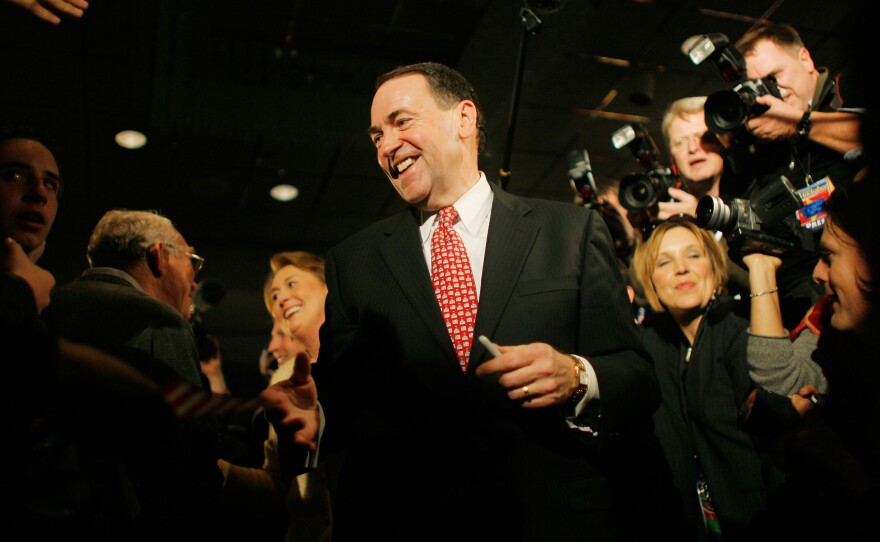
443 440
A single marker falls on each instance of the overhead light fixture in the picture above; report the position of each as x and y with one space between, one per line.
284 192
131 139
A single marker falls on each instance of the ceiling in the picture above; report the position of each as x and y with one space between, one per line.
236 96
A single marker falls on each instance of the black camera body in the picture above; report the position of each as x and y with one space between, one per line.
765 224
727 110
639 191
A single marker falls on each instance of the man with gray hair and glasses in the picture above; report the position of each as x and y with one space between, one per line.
136 298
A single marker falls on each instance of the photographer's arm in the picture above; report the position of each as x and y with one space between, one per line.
775 362
837 131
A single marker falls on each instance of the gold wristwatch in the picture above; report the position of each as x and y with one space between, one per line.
581 379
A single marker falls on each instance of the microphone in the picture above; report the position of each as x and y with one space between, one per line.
581 174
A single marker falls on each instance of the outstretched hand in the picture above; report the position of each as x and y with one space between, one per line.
292 406
48 9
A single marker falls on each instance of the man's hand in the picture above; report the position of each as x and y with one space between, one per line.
779 123
292 406
685 203
44 8
534 374
15 261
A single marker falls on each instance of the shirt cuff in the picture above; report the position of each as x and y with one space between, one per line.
585 419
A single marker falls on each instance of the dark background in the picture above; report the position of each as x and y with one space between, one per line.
236 96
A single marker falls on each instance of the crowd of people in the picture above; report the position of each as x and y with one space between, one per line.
481 373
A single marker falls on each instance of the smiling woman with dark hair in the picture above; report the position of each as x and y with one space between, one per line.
835 452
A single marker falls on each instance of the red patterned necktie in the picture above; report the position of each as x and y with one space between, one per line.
454 284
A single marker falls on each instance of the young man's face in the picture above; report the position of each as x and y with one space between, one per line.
29 185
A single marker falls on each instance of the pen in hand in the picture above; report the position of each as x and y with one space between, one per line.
490 346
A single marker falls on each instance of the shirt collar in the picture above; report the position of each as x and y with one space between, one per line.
113 272
473 208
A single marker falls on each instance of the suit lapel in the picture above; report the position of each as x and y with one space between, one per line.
402 252
511 236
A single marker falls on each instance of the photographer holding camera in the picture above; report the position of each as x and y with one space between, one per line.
817 115
697 156
787 134
810 137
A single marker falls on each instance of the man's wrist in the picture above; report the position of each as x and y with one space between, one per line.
804 126
581 380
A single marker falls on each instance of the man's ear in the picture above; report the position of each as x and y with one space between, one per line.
157 259
806 60
467 119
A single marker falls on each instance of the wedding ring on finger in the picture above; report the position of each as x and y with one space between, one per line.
526 396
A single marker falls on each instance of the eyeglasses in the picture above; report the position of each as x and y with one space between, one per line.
649 226
197 261
706 138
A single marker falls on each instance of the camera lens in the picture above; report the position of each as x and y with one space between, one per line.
637 192
713 213
726 111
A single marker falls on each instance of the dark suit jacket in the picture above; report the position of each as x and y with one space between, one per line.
431 452
176 480
106 312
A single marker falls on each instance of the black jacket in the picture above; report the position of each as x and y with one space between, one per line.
698 416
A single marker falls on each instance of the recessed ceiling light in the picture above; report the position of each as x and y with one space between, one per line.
131 139
284 192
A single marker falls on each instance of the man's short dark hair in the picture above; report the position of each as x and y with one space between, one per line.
783 35
448 87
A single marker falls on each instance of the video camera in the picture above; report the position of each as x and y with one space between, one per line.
766 223
728 110
639 191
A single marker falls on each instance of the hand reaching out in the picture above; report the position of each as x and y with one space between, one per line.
292 406
48 9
